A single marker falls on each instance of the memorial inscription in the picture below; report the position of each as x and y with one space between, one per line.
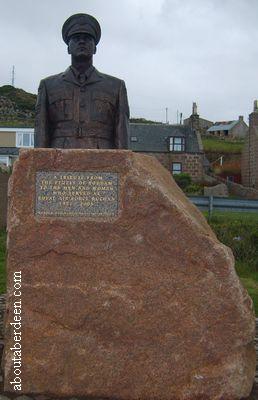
75 194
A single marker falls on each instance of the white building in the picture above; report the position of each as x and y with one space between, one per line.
11 140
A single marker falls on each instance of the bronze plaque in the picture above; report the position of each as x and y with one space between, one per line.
75 194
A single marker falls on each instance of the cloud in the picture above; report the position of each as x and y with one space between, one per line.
169 52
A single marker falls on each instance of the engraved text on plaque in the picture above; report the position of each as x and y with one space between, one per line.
76 194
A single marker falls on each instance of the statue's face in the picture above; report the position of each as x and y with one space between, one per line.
81 45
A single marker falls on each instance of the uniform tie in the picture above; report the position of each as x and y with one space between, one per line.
82 78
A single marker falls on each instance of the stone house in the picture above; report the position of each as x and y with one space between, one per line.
202 124
177 147
249 164
232 129
11 139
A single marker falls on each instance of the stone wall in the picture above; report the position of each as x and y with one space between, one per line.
245 162
249 168
240 130
235 189
242 191
192 163
3 198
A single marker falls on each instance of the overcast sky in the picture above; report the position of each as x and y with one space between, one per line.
169 52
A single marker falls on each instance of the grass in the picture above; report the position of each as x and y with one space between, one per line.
227 216
249 280
18 123
216 145
239 231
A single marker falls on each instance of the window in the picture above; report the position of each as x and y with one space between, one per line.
176 144
176 168
25 139
134 139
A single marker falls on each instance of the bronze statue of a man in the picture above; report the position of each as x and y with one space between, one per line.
81 107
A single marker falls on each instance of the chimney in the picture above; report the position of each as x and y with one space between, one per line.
253 117
195 109
194 118
240 118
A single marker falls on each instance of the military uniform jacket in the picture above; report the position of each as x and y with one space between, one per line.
90 115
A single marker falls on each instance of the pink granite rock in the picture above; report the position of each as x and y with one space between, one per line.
140 303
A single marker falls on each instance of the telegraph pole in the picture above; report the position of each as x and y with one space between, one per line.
166 115
13 73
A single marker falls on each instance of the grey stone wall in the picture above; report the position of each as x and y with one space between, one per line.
240 130
234 189
249 167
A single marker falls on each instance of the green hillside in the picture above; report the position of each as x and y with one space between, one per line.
217 145
24 101
17 107
17 123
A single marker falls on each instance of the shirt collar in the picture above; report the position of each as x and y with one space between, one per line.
77 74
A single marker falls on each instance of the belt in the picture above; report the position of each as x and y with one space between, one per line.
81 132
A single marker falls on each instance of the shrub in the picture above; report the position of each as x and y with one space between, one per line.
183 180
194 188
5 170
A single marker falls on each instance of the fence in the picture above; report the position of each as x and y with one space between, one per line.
211 204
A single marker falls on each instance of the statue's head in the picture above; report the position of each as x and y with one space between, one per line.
81 32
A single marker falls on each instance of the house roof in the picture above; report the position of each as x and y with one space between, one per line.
187 120
154 137
9 151
223 126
